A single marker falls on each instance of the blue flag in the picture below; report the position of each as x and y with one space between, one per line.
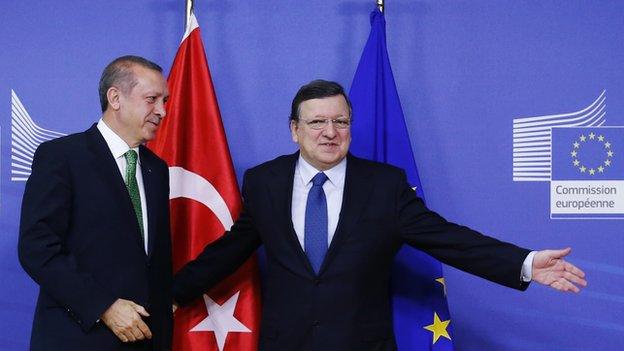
421 316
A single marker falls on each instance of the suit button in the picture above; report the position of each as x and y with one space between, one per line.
317 282
316 323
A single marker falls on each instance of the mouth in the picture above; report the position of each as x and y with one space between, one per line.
328 145
154 123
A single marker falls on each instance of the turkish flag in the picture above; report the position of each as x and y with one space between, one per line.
204 202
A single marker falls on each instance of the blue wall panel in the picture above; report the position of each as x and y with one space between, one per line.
464 70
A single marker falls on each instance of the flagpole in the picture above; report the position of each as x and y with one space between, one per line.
189 10
380 5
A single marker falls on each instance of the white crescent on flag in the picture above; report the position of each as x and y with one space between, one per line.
184 183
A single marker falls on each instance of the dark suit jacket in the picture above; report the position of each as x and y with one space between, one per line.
347 305
80 241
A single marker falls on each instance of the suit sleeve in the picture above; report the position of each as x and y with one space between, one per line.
45 219
456 245
221 257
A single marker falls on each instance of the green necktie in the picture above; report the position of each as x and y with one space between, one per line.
133 186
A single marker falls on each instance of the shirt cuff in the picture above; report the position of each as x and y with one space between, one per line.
527 267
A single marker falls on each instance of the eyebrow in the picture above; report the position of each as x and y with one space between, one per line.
323 116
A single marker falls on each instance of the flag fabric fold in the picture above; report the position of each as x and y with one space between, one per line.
420 312
205 200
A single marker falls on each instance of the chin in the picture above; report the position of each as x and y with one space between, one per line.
147 138
330 163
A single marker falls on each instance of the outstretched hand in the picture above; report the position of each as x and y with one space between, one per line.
549 268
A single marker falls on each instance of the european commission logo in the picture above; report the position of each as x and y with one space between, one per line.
581 158
26 136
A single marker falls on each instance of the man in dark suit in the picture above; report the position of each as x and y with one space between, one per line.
94 231
331 224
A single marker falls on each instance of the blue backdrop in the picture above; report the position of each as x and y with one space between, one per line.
464 70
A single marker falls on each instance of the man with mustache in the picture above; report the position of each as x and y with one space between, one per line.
94 231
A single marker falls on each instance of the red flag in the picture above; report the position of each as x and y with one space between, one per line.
204 202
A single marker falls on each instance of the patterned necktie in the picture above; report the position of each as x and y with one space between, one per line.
316 222
133 187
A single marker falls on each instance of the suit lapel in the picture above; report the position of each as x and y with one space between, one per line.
106 166
357 189
280 190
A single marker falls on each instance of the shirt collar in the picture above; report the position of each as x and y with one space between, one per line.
117 146
336 174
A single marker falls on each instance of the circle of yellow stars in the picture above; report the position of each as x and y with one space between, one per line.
576 147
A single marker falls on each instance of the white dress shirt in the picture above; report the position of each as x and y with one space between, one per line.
333 188
118 148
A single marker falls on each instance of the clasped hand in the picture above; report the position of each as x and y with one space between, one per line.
123 317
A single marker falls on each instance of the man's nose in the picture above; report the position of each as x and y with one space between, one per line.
160 109
330 130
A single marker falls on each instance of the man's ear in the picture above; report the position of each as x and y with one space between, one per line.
293 130
113 95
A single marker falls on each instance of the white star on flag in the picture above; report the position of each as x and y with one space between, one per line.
221 320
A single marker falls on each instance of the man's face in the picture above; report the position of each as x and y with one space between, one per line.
142 109
326 147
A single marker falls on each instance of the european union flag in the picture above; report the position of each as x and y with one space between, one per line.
421 316
587 153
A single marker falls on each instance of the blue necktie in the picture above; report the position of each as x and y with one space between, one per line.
316 222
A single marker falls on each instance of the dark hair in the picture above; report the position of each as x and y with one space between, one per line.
316 89
119 73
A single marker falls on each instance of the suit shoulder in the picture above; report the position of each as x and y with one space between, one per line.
376 167
67 143
276 164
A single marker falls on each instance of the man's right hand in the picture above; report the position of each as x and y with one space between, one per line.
123 317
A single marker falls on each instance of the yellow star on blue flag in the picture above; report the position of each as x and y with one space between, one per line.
438 328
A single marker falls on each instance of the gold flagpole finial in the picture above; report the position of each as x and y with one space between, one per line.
380 5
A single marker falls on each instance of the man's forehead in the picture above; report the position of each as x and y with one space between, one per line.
146 73
330 102
151 79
